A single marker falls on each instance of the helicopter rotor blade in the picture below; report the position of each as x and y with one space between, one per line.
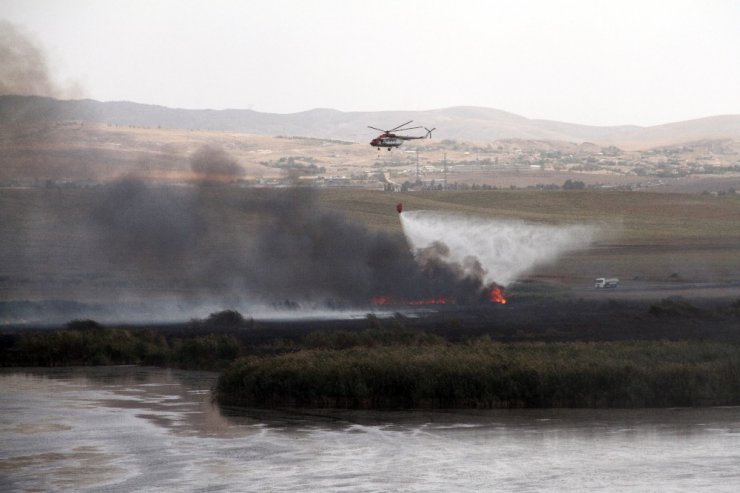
402 125
378 129
404 129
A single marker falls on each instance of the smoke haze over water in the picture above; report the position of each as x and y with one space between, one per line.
503 249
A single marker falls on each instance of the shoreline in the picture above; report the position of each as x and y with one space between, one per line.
466 359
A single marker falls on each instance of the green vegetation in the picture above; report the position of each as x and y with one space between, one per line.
384 363
78 345
488 374
87 343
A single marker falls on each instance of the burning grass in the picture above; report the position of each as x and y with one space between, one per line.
493 294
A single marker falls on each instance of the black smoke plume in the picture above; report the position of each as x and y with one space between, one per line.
293 249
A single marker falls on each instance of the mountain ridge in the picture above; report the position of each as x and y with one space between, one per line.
472 123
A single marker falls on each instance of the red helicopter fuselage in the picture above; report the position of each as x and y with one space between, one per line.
389 140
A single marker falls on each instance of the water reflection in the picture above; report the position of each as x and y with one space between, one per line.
131 428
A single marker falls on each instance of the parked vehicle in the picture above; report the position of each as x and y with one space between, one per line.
606 282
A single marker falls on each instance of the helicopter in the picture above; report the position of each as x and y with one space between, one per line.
390 140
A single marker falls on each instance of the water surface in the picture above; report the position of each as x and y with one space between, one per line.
131 428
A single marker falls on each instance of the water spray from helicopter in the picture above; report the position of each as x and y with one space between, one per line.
504 249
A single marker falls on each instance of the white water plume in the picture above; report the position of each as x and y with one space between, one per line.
505 249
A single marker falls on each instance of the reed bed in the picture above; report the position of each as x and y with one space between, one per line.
488 374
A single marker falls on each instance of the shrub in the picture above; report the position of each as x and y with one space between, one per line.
225 319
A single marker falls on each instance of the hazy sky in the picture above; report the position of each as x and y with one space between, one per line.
594 62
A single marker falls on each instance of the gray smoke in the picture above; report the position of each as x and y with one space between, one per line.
23 66
143 226
304 250
24 69
292 250
137 251
211 164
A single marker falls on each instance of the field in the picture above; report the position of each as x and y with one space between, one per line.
659 245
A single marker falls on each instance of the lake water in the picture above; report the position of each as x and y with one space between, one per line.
143 429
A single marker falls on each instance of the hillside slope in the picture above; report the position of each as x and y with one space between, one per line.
459 123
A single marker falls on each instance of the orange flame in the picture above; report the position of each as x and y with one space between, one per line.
385 300
497 295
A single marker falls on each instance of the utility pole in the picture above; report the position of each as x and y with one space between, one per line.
417 166
445 168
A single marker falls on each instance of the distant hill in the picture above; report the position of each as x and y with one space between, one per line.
459 123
